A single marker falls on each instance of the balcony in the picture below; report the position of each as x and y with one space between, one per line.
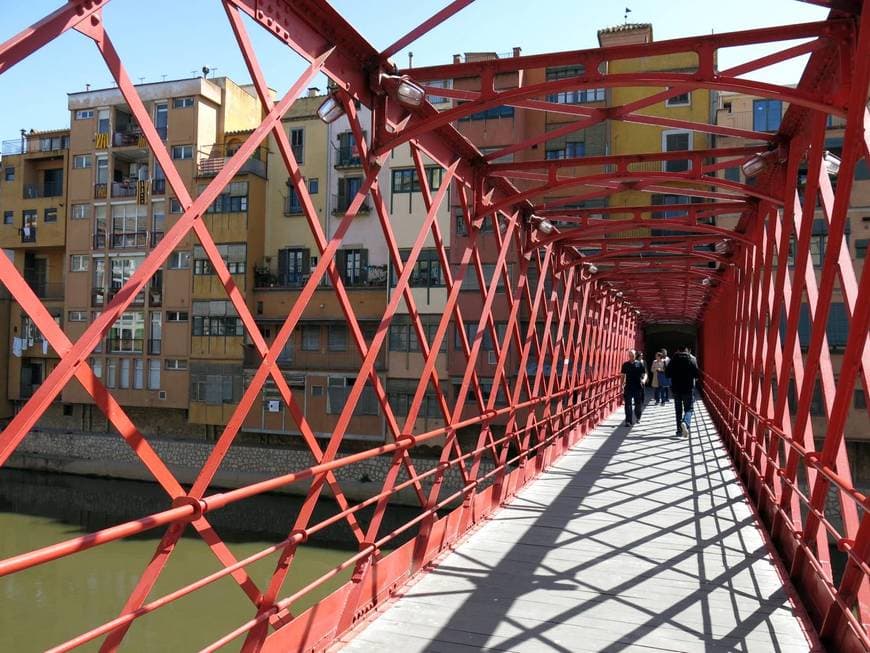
131 137
213 159
98 297
34 143
123 189
123 345
348 157
47 290
28 234
292 205
138 300
99 241
35 191
156 237
130 240
343 202
101 191
370 276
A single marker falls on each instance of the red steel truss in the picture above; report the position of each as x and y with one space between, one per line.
581 294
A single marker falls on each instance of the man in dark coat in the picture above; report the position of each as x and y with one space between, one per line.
633 378
683 371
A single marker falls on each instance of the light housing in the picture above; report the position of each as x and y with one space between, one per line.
330 109
752 167
593 269
406 92
545 227
706 281
832 163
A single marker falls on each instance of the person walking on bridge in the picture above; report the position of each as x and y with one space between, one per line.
683 371
633 380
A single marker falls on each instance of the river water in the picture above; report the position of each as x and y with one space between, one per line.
49 604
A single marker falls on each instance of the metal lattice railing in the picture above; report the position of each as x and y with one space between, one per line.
569 317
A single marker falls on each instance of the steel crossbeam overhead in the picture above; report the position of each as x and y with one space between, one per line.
545 288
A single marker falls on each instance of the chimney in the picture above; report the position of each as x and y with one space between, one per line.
313 91
457 58
517 51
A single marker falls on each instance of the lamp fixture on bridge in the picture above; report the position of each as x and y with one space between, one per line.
545 227
331 109
404 90
832 163
619 294
706 281
593 269
753 166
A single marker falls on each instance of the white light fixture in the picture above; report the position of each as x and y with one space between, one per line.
832 163
331 109
706 281
405 91
593 269
755 165
721 247
619 294
545 227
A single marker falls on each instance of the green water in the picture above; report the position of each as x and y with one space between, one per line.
49 604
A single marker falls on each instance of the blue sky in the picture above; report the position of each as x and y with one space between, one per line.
176 37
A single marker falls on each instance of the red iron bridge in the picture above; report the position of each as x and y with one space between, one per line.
579 533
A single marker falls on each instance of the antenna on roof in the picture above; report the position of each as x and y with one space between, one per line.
627 12
163 76
141 80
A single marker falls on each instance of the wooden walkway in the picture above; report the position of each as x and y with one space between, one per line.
633 541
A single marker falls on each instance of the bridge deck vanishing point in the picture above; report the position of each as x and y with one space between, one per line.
634 541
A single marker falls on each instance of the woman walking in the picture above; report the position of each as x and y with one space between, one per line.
658 377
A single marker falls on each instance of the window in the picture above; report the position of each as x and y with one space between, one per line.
129 225
676 141
348 150
297 143
234 255
338 389
78 263
471 331
403 335
439 83
766 115
123 269
84 114
182 151
97 366
179 261
489 114
313 186
293 266
176 316
576 96
337 337
161 119
216 318
175 364
459 220
103 125
471 282
50 215
571 150
233 199
111 372
405 179
83 161
215 383
401 395
860 399
348 187
311 337
427 272
9 173
182 102
154 374
682 100
353 266
77 316
175 205
8 217
861 247
127 334
733 174
81 212
294 202
138 373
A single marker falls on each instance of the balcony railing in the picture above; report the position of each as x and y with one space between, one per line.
138 300
343 202
99 241
213 159
34 191
34 143
51 290
98 297
292 206
371 276
123 189
101 191
348 157
28 234
130 240
125 345
128 138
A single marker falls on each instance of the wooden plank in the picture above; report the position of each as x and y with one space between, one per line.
633 540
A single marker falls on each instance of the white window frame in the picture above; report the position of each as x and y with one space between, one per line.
78 263
671 132
87 159
81 212
77 316
185 102
84 114
182 150
670 101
